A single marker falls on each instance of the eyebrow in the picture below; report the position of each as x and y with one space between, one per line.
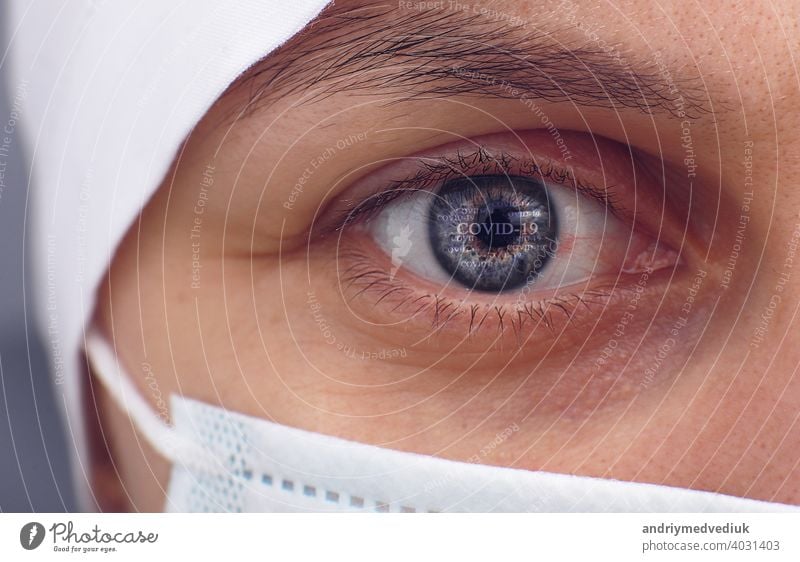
406 55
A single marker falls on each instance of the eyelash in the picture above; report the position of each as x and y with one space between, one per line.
443 309
435 172
367 278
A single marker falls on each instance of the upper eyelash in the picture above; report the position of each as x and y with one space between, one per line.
436 171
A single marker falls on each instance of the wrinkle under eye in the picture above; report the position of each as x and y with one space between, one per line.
493 233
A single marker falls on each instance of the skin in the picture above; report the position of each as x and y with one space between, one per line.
719 413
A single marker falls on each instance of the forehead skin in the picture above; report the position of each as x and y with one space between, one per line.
744 55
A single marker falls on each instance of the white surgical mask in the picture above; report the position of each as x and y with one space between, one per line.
225 461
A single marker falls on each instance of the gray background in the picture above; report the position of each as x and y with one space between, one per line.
33 464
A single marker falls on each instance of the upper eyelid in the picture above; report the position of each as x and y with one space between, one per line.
433 171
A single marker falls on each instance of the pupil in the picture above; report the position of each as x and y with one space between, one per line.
493 233
497 230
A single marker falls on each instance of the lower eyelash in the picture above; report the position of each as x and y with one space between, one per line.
373 282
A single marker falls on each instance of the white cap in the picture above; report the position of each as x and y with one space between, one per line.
106 92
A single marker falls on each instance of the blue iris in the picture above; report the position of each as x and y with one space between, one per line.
493 233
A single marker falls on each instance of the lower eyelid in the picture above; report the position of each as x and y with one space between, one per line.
426 312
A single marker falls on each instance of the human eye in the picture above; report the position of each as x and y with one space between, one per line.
493 233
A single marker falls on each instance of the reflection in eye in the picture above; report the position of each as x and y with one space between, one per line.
497 233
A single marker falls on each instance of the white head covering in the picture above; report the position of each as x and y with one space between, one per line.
109 90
